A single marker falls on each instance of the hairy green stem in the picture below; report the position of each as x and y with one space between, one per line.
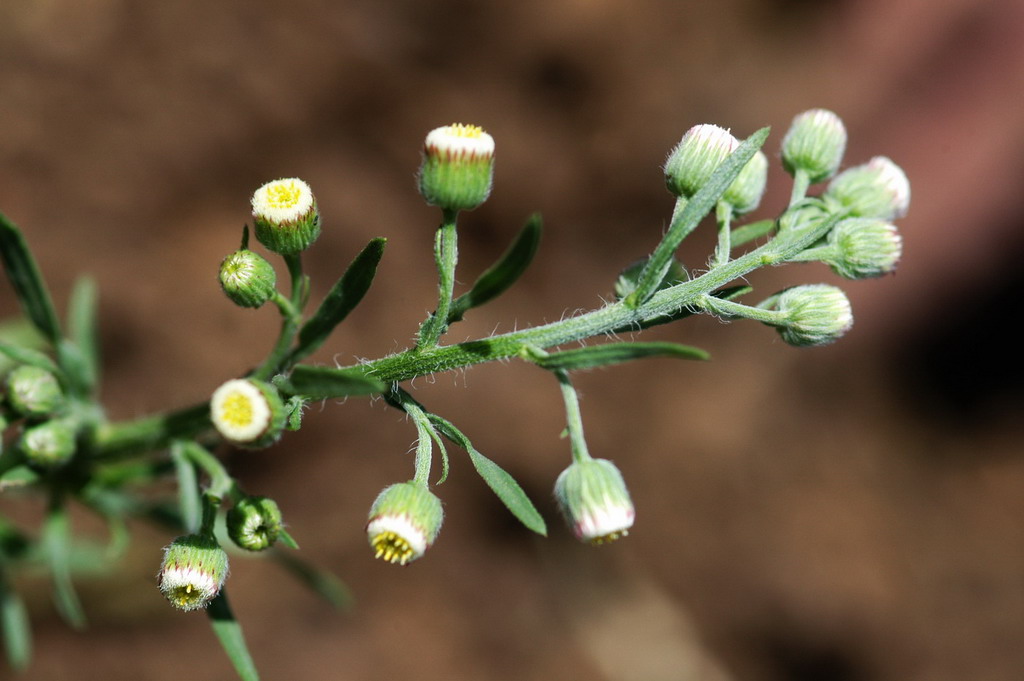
290 317
446 255
573 419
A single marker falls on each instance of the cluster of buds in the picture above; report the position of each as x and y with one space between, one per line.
34 397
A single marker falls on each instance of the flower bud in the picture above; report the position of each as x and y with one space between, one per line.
254 523
701 150
594 499
247 412
285 215
457 168
247 278
404 521
48 445
864 247
814 143
745 192
815 314
876 189
33 391
193 571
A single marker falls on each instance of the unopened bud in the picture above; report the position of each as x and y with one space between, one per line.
594 499
405 519
254 523
691 163
814 314
814 143
745 192
876 189
33 391
458 167
193 571
285 215
48 445
247 278
864 247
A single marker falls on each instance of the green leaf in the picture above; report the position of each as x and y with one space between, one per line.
56 538
699 205
27 281
22 355
750 231
323 382
229 632
503 273
321 582
188 486
341 299
83 334
15 625
18 332
612 353
500 482
287 539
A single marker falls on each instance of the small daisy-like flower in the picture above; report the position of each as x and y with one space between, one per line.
698 154
814 143
877 189
254 523
286 216
594 499
458 167
247 412
193 571
404 521
815 314
247 278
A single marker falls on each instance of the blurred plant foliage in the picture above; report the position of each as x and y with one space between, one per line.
59 445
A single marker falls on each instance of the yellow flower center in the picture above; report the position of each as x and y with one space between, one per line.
185 596
283 195
236 410
467 131
392 548
608 538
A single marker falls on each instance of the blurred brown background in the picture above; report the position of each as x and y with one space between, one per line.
839 514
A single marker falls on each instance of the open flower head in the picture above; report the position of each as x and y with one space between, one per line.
286 216
247 412
458 167
193 572
404 521
594 499
876 189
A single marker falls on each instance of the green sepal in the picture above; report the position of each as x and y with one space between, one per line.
82 330
686 220
505 272
287 539
610 353
26 280
15 626
341 299
320 582
229 633
293 412
750 231
500 482
317 383
56 539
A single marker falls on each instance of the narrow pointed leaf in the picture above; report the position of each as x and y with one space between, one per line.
82 331
27 281
57 545
287 539
323 382
229 632
750 231
321 582
20 355
15 626
341 299
500 482
189 500
699 205
503 273
613 353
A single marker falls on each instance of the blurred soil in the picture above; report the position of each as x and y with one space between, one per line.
842 514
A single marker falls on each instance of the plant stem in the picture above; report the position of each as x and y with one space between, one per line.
573 419
291 312
446 255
